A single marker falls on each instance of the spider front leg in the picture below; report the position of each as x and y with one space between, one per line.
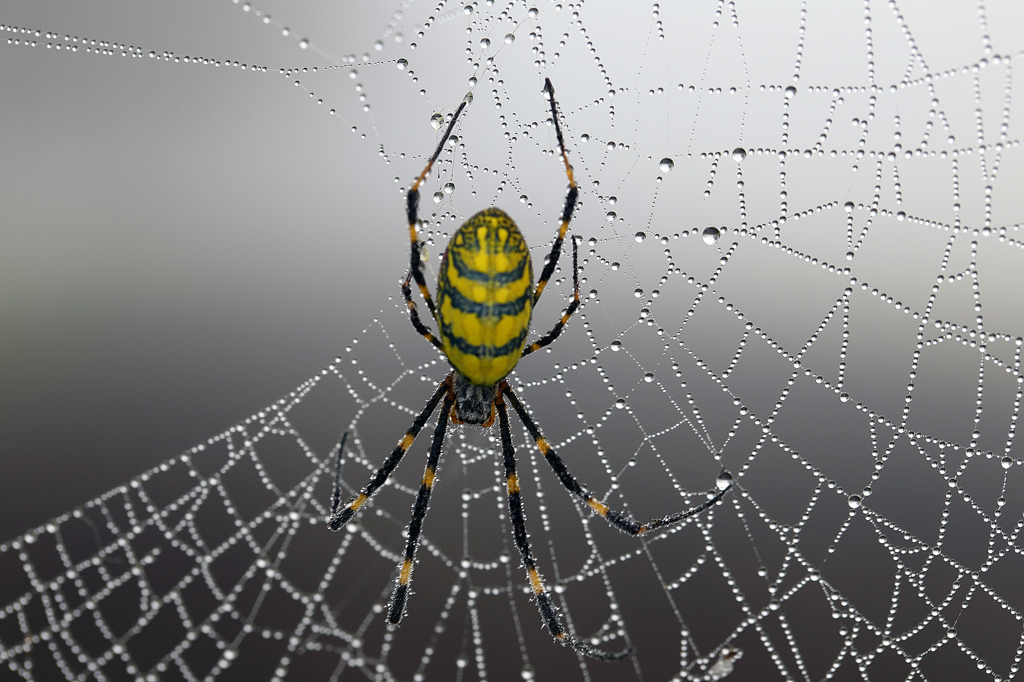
624 522
412 205
339 517
396 609
515 511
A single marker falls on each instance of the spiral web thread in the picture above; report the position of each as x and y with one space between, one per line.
826 344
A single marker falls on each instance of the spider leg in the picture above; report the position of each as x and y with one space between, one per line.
553 334
570 199
414 314
339 517
396 609
515 511
412 204
336 492
624 522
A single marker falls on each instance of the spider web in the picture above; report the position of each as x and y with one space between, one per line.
801 257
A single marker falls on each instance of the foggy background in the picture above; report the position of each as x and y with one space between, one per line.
183 244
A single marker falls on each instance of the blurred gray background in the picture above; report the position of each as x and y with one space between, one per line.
182 244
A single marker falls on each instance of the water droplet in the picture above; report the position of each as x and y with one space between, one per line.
848 206
533 12
901 215
612 200
724 480
844 397
485 43
509 38
666 165
790 91
854 501
438 196
285 31
436 120
1006 461
620 403
353 74
527 673
402 64
468 9
610 216
616 345
468 99
304 43
640 237
379 45
615 265
711 235
449 187
739 154
849 255
523 199
584 138
638 292
648 377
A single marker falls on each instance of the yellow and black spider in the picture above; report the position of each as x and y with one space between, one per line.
485 296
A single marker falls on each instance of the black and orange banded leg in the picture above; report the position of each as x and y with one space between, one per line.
553 334
515 511
570 199
336 492
412 205
624 522
414 314
396 609
339 517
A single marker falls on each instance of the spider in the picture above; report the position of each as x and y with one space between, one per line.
485 297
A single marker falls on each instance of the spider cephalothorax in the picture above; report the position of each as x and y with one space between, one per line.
485 299
474 404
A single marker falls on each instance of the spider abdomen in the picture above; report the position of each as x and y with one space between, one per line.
485 297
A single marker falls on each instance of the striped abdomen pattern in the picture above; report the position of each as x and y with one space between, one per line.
485 297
